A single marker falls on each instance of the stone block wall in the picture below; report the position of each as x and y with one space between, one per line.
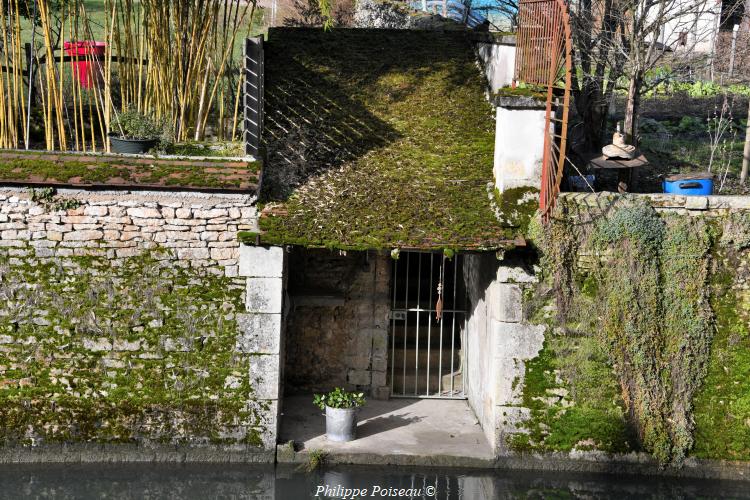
500 341
338 324
134 317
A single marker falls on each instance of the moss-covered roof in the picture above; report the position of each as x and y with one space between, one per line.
378 139
72 169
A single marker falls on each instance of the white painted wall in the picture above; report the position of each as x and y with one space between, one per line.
519 147
498 62
699 18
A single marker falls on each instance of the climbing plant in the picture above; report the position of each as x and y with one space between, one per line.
637 284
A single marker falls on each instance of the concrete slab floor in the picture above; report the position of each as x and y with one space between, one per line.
398 431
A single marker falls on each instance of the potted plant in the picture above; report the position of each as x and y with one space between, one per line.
134 132
341 413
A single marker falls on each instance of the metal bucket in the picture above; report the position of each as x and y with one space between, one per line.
341 423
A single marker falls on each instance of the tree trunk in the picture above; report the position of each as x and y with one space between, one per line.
746 153
592 109
632 108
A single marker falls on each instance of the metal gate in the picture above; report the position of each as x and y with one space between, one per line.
428 324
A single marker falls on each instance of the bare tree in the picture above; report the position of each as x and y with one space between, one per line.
654 29
625 39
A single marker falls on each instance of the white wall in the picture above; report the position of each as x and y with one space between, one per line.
498 62
699 18
519 147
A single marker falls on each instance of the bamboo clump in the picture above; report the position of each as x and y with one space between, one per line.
173 59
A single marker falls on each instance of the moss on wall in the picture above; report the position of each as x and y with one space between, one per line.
22 167
722 406
654 307
574 399
138 349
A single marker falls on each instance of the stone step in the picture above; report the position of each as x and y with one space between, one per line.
410 336
409 354
420 378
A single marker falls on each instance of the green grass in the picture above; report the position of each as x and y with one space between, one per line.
378 139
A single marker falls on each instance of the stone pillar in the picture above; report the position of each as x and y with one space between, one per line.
499 343
515 341
380 324
519 142
261 330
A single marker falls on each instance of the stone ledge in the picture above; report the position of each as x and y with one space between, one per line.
662 200
131 453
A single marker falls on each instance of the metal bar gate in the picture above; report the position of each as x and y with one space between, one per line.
428 325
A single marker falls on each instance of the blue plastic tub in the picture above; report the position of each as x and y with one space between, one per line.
689 185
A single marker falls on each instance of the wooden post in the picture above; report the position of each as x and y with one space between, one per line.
253 98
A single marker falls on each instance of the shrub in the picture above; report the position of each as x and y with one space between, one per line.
132 124
339 398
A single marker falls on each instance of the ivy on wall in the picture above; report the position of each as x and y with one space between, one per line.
131 350
634 286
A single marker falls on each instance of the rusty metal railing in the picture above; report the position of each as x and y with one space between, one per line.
544 59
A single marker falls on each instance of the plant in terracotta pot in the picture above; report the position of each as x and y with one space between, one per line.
341 413
134 132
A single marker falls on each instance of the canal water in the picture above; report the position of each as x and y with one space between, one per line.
203 481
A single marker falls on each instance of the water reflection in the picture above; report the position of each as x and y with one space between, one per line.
196 481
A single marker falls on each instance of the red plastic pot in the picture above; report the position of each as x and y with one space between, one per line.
87 72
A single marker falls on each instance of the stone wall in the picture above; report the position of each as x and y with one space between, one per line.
133 317
338 324
500 340
689 287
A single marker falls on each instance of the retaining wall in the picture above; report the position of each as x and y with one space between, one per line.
136 321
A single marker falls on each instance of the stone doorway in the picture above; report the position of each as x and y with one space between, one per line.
337 328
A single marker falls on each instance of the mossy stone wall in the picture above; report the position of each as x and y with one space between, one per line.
124 319
647 347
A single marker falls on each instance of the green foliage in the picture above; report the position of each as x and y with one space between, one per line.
641 300
698 89
47 197
691 124
637 223
316 460
339 398
133 124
